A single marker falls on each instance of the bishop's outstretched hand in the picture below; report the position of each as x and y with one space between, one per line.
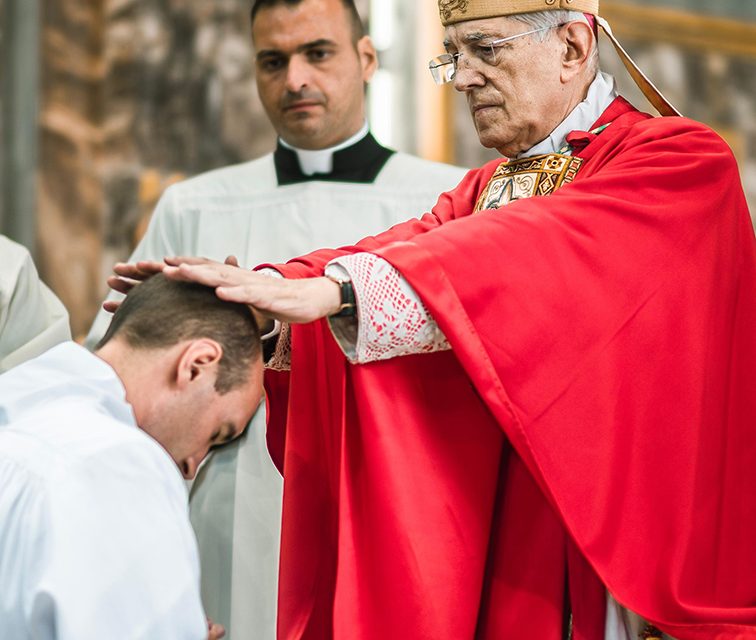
293 301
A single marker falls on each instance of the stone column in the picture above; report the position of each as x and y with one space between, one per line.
70 194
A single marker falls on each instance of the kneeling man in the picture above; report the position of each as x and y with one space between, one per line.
95 539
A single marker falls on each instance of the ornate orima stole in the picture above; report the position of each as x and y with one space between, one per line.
536 176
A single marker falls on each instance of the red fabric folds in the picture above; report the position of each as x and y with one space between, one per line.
595 418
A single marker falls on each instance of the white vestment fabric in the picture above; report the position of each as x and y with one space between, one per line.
32 319
95 538
241 211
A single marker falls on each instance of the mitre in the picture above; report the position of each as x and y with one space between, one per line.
455 11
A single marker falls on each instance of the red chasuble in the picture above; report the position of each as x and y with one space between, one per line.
593 428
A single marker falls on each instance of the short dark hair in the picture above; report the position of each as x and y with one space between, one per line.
358 29
160 313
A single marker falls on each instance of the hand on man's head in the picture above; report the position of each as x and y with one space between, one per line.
129 274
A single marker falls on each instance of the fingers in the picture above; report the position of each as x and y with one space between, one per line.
214 631
122 285
111 306
175 261
127 275
211 275
231 260
138 270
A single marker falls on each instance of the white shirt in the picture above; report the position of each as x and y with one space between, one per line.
95 540
32 319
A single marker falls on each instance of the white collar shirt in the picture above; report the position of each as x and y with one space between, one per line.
95 540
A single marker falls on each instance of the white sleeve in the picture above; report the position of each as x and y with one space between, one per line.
391 320
122 559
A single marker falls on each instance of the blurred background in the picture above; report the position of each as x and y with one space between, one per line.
104 103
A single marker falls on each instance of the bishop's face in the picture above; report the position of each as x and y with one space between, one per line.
518 101
311 73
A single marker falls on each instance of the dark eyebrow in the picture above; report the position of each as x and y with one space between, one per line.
314 44
478 36
475 36
323 42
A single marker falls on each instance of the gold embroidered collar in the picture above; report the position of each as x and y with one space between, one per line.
528 177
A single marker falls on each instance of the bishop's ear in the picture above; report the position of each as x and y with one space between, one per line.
579 42
198 361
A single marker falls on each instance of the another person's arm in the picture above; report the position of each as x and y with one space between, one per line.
32 319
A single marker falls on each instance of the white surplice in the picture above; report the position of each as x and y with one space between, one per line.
95 538
32 319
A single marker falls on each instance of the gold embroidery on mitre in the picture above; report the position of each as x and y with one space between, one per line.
528 177
448 7
453 11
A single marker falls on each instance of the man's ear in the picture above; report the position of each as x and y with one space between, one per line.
578 41
198 360
368 57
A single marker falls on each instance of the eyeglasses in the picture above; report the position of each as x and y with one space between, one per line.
443 68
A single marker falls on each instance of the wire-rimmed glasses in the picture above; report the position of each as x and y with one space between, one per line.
443 68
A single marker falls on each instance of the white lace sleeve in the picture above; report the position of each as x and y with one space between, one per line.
391 320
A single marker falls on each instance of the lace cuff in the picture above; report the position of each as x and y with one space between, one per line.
280 360
391 319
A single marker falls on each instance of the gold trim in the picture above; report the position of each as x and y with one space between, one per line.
453 11
527 177
682 28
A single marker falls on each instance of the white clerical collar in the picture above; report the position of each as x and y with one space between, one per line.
321 160
601 94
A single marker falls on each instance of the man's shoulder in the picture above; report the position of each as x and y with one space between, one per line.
12 250
635 134
14 258
675 127
642 126
404 169
74 428
67 409
246 178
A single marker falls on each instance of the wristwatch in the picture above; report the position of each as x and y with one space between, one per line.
348 307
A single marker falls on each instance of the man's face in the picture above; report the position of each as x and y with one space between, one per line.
310 73
517 102
199 418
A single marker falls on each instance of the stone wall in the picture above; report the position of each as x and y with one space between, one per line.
136 94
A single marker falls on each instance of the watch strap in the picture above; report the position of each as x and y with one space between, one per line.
348 307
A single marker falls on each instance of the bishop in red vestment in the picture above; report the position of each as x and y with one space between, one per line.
593 424
591 429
